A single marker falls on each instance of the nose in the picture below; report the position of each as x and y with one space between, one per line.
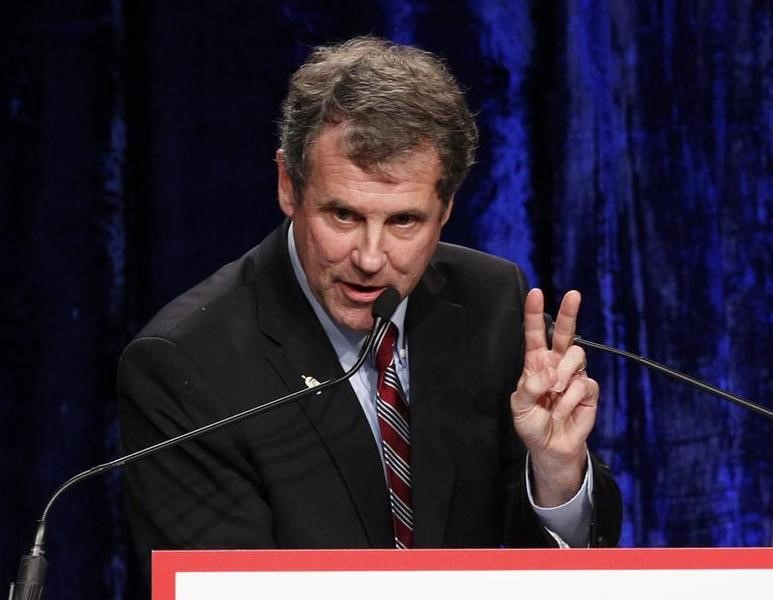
368 253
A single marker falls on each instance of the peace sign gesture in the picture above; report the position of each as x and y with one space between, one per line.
554 404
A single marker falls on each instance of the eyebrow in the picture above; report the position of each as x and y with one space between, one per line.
334 203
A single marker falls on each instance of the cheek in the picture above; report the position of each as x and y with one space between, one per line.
410 259
328 248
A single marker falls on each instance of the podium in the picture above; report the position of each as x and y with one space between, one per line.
542 574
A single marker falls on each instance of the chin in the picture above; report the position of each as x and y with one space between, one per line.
355 322
361 326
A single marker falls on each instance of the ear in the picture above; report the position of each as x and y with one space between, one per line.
284 186
447 212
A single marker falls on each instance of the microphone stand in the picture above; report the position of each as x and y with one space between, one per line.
655 366
31 575
701 385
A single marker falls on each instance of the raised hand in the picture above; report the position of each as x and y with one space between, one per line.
554 404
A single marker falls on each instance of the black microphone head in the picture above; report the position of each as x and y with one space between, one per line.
549 326
386 304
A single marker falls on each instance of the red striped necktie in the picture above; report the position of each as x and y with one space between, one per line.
393 420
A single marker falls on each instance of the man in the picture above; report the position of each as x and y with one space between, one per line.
375 140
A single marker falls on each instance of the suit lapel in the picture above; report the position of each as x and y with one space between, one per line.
302 348
436 334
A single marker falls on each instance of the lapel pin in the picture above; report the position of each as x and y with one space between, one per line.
311 382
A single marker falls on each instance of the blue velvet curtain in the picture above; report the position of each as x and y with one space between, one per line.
626 151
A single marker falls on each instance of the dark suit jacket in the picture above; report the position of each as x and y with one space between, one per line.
308 475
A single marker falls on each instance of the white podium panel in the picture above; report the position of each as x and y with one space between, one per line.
581 574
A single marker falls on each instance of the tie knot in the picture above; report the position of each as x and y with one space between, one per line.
385 348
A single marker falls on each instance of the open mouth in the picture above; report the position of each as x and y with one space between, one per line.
361 293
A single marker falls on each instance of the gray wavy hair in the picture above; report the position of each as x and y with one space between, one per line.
393 100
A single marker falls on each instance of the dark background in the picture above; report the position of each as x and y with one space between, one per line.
626 151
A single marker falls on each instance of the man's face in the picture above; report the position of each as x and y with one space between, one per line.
358 232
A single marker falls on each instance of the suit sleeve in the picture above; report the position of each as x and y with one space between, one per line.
176 498
523 528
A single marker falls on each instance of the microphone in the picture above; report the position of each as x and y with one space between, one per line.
30 578
384 307
655 366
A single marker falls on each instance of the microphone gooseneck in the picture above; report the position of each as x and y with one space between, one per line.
31 575
386 304
655 366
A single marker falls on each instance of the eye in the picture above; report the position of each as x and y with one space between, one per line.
344 215
405 220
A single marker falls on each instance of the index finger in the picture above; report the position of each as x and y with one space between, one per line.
534 321
566 323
